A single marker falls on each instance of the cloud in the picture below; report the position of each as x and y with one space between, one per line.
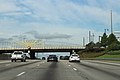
60 12
8 6
69 13
48 36
57 19
19 37
5 39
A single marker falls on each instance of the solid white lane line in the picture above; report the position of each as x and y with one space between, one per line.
105 63
75 69
109 63
21 73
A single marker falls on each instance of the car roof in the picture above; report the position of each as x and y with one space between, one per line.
75 55
18 52
52 56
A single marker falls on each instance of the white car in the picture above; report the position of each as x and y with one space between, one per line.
74 58
18 55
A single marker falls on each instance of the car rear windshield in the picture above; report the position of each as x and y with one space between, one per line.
52 55
18 53
75 55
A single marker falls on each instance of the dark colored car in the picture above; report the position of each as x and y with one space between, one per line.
52 58
43 58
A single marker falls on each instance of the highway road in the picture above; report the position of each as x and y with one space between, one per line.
62 70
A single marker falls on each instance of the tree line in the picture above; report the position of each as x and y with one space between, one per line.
109 43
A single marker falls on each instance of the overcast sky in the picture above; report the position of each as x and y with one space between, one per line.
63 20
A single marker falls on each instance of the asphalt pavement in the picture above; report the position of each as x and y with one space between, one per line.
62 70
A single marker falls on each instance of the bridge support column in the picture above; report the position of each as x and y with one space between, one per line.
72 52
32 55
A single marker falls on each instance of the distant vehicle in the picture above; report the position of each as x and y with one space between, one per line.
74 58
52 58
64 57
61 57
18 55
43 58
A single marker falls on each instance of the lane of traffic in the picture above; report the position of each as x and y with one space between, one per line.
13 73
94 72
61 70
11 65
44 71
53 71
105 66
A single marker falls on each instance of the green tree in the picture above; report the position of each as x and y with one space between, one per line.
113 46
98 45
104 40
112 39
90 46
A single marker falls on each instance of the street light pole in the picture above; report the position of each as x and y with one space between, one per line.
106 30
111 23
89 36
83 41
93 37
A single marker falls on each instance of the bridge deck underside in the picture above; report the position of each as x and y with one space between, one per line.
39 50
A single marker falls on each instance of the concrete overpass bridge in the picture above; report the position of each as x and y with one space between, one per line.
33 46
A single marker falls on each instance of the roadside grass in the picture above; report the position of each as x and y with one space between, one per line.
4 56
88 55
101 55
109 56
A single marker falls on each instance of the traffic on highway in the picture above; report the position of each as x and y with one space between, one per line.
61 70
59 39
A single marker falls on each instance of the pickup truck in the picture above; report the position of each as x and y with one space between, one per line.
18 55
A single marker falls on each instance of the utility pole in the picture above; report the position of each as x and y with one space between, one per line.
83 41
93 37
111 23
89 36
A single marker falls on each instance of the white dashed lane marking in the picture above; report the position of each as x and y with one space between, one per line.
69 65
75 69
21 73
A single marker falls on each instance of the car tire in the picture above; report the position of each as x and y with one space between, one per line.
21 60
11 60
